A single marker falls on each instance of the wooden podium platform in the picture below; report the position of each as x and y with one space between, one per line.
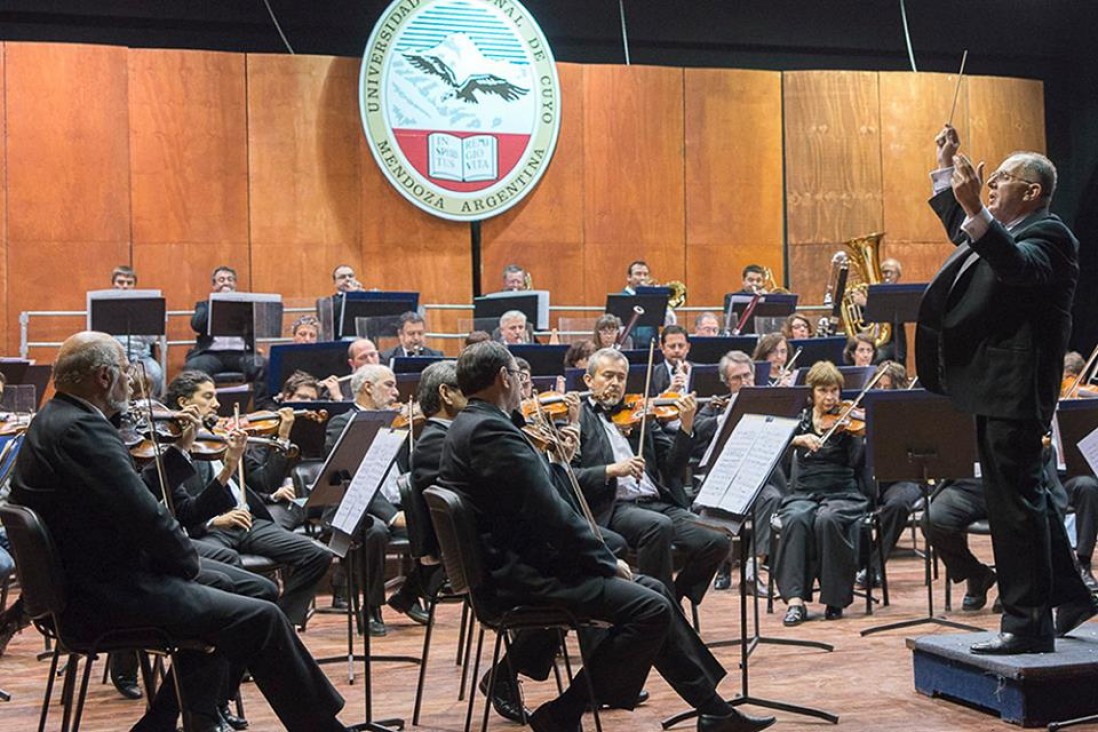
1030 690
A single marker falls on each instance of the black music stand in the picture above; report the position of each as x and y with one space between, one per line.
1076 418
829 348
893 303
768 306
330 488
655 309
710 349
128 316
705 381
736 509
328 358
915 435
544 360
351 306
244 315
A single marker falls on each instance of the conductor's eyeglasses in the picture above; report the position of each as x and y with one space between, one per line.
1002 176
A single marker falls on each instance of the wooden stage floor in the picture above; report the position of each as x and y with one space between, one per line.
866 681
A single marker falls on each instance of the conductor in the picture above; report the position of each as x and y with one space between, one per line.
993 327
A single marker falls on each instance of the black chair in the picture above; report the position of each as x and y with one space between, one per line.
422 545
41 577
459 543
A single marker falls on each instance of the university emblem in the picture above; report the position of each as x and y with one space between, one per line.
460 104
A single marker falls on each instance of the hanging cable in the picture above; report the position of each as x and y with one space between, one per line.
624 33
278 27
907 36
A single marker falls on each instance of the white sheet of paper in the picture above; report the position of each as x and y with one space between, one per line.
749 456
1089 447
375 465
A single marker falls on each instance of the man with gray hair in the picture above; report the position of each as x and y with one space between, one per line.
992 331
514 278
512 328
128 563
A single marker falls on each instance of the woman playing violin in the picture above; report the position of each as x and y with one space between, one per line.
820 516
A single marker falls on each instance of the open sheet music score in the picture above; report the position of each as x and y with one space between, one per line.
741 470
375 465
1088 446
708 457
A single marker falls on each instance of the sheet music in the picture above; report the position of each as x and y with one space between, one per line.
1089 447
742 468
720 426
375 465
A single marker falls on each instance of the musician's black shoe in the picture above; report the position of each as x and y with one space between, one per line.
409 606
505 696
1008 644
642 697
795 615
1071 615
375 625
976 590
1088 576
124 674
723 580
833 612
862 578
202 723
237 723
737 721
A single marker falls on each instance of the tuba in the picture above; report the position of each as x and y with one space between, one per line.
678 292
864 255
771 285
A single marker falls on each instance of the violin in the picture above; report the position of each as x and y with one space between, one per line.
845 417
266 422
417 420
663 408
551 404
1070 388
212 445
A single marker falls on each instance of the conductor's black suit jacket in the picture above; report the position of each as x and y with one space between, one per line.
995 321
534 543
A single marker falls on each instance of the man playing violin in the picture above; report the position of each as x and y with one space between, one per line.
128 563
375 389
992 332
641 495
249 527
541 551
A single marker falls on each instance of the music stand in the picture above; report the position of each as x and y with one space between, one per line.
14 369
829 348
544 360
916 435
353 305
247 315
639 356
1076 419
774 401
769 306
728 495
331 485
710 349
573 379
655 309
414 364
705 381
534 304
319 359
309 434
893 303
408 386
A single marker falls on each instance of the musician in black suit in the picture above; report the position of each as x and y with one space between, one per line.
538 549
412 332
128 563
215 354
642 498
248 527
992 331
674 373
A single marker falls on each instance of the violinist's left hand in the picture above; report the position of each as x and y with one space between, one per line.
572 401
286 423
570 440
688 407
189 420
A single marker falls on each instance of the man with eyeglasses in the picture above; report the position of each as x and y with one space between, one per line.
218 354
992 332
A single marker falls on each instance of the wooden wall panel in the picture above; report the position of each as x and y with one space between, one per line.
545 232
733 188
5 336
303 170
1004 115
833 157
67 179
189 147
633 182
913 109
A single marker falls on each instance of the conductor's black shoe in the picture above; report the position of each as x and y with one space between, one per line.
976 590
795 615
642 697
126 685
505 697
1071 615
737 721
237 723
723 580
833 612
1008 644
409 607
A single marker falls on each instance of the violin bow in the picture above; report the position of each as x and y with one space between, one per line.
240 463
158 453
644 403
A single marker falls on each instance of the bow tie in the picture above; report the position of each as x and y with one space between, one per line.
609 411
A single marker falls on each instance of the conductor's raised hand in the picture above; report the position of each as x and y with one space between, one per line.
968 184
948 142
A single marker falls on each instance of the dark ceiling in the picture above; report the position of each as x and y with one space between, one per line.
1003 36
